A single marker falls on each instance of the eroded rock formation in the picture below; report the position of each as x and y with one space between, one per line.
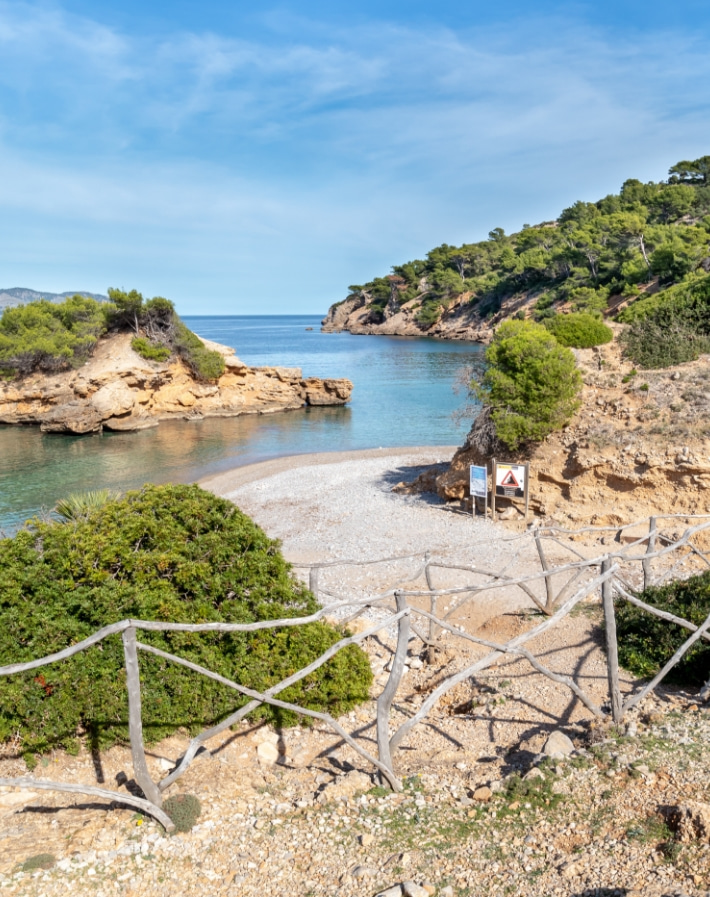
118 390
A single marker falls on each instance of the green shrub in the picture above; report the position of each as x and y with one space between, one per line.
531 383
669 328
39 861
150 351
171 553
646 642
580 330
429 312
204 363
651 343
79 506
49 336
184 810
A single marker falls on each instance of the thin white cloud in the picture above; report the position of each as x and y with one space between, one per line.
318 148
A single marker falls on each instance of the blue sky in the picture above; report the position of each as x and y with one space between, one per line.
258 160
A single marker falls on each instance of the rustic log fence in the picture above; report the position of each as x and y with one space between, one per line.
610 573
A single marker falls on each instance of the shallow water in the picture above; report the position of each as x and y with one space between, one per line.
403 396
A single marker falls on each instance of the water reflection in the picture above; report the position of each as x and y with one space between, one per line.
403 396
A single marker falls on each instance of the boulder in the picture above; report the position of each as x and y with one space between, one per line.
558 745
113 399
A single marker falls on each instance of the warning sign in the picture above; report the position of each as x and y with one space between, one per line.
510 480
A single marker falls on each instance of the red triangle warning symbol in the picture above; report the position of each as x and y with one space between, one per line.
509 480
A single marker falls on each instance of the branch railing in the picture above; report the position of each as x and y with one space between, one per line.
405 619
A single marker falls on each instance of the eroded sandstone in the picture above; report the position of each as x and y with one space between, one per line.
118 390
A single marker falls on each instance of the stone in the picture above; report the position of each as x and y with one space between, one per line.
483 794
394 891
17 798
113 399
533 773
558 745
267 753
412 889
367 840
364 872
448 891
691 821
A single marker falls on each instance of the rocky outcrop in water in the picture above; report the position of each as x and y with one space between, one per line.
118 390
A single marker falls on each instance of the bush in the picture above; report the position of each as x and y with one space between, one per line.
651 344
531 384
669 328
646 642
184 811
150 351
204 363
49 336
582 331
171 553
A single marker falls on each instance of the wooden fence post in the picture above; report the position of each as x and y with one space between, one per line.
135 722
313 581
612 653
433 600
646 562
384 702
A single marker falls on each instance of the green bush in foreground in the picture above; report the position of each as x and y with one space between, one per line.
531 383
171 553
579 330
646 642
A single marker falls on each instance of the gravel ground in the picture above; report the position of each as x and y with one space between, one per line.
590 824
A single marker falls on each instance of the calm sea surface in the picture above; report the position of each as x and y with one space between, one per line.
403 395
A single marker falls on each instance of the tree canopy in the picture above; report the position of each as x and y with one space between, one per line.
49 336
531 384
648 232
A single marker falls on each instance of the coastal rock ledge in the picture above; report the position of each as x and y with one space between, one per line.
118 390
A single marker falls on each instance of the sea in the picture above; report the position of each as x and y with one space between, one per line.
404 395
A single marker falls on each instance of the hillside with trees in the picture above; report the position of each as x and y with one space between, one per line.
597 258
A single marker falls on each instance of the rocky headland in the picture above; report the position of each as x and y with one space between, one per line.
360 315
117 389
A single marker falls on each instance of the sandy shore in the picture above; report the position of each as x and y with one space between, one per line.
340 506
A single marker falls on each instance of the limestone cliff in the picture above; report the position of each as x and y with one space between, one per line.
118 390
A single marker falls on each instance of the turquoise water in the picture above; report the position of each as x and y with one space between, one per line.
403 395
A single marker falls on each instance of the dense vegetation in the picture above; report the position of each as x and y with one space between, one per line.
670 327
531 384
646 642
46 336
172 553
648 236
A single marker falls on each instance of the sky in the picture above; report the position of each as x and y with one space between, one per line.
243 158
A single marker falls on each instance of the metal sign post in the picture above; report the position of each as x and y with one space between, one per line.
493 490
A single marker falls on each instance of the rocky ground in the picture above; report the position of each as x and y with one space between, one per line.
490 805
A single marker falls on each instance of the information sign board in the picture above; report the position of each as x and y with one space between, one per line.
479 481
510 480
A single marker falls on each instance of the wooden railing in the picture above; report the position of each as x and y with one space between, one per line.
610 572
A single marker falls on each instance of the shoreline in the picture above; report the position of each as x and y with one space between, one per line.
261 470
